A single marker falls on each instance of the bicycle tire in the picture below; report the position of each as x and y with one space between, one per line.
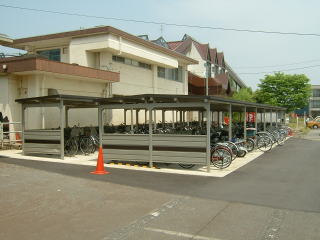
250 144
85 145
221 157
186 166
264 143
71 147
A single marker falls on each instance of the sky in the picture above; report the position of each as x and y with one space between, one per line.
245 52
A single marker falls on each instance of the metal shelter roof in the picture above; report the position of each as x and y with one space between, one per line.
217 103
70 101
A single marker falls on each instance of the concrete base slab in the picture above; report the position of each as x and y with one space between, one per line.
90 160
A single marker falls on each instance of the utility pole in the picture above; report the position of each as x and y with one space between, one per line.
207 78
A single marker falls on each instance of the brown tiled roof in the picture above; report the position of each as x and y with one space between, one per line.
200 82
222 79
23 64
220 58
184 46
202 49
101 30
174 45
213 54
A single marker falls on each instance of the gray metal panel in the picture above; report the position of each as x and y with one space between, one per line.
121 137
125 139
126 152
41 137
175 137
41 150
127 158
183 160
42 145
191 155
42 132
125 142
180 157
126 155
173 143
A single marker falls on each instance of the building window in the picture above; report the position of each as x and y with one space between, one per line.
131 62
316 92
315 104
174 74
52 54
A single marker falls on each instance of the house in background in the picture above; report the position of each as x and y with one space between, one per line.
314 103
101 61
222 79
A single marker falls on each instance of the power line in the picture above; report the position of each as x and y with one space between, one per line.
284 70
161 23
279 65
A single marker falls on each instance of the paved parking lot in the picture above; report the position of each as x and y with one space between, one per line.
274 197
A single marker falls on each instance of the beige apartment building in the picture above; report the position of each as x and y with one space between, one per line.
100 62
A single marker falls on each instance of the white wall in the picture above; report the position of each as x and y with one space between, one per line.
198 69
79 46
8 106
37 85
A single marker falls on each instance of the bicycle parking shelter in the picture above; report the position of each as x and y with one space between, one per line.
50 141
151 148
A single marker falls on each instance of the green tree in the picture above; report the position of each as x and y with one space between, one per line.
244 94
285 90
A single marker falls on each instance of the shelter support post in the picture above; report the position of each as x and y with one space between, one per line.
66 116
230 122
245 123
256 119
23 125
145 116
271 120
277 118
187 117
100 125
150 138
62 125
264 119
137 116
125 116
177 116
173 118
131 120
208 136
163 117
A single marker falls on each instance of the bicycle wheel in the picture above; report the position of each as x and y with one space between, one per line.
234 150
186 166
86 145
231 147
264 143
249 144
281 140
221 157
71 147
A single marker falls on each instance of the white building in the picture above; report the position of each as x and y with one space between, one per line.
101 62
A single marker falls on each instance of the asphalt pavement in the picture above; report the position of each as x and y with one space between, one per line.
275 196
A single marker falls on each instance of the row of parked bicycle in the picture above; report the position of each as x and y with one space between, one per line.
81 140
223 152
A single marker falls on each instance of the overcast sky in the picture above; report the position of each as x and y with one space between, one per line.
245 52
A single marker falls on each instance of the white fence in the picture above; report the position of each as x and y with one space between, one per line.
9 137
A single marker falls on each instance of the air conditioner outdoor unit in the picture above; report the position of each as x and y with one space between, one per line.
52 91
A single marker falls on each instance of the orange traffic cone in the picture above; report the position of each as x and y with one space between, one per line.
100 164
